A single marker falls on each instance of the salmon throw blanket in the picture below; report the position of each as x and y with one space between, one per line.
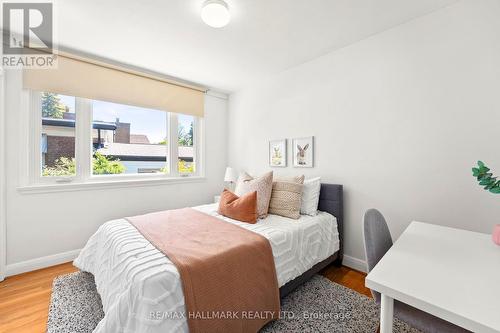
228 273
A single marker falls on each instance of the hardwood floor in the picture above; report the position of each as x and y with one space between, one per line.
24 298
348 278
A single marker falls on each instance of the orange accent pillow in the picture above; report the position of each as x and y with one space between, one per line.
242 208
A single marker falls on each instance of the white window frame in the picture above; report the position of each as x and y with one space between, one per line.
33 181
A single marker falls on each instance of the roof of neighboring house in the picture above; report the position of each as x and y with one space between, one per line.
125 151
186 152
139 138
71 123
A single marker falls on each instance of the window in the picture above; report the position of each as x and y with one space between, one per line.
186 139
82 140
128 139
57 146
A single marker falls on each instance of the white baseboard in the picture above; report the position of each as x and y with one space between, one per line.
354 263
43 262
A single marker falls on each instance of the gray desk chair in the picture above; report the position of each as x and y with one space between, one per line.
378 241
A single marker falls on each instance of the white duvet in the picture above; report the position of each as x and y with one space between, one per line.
141 289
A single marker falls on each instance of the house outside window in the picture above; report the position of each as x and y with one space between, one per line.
77 139
58 135
134 138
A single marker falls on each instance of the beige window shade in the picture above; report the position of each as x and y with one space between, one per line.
76 77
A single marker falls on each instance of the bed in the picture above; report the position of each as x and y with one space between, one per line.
141 289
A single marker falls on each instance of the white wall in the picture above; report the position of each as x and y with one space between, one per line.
41 225
399 119
3 238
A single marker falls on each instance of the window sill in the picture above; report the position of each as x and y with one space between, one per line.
107 184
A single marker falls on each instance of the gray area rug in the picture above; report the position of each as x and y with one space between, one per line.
317 306
75 305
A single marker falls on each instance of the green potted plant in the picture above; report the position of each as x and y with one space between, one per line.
491 184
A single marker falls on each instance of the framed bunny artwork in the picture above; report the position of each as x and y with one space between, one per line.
303 152
277 153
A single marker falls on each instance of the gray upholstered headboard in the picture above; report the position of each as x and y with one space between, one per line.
331 200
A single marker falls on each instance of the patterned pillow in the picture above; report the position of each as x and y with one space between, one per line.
263 185
286 196
296 179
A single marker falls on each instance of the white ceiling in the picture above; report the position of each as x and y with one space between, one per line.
263 37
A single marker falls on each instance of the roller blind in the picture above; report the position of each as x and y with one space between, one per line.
93 80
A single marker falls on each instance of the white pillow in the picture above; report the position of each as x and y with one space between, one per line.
310 196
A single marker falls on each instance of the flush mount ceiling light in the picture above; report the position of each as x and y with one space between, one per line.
215 13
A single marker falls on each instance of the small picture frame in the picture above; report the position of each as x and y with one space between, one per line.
303 152
277 153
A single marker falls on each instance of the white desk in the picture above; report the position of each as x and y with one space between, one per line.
450 273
